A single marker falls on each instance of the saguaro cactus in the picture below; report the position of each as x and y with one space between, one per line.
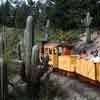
0 46
3 81
3 73
28 44
35 55
87 22
46 29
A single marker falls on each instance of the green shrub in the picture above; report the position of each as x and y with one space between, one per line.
69 37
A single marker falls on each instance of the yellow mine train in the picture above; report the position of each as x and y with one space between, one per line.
71 63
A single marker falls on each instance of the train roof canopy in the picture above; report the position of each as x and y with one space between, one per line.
52 45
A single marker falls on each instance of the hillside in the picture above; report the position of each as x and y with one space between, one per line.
95 44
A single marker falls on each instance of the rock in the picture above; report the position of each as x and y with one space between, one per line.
10 89
22 87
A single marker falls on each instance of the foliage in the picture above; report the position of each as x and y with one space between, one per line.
68 14
20 16
12 36
38 37
69 37
65 14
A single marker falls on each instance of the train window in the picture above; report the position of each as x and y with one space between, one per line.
54 51
50 51
60 51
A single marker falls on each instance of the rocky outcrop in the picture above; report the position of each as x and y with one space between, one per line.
95 44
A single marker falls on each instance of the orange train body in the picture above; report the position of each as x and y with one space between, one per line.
71 63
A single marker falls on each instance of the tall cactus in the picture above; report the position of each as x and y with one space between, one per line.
35 55
0 45
87 22
3 73
28 44
46 29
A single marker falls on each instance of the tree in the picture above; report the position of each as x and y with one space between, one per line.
21 14
66 14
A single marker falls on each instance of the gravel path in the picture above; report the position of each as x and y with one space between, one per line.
74 89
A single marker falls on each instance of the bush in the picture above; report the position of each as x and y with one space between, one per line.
69 37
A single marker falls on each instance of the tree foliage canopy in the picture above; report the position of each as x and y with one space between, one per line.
64 14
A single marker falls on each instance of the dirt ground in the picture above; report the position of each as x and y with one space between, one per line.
74 89
61 87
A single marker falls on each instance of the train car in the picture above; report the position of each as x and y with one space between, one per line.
86 69
67 63
97 71
52 49
61 58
